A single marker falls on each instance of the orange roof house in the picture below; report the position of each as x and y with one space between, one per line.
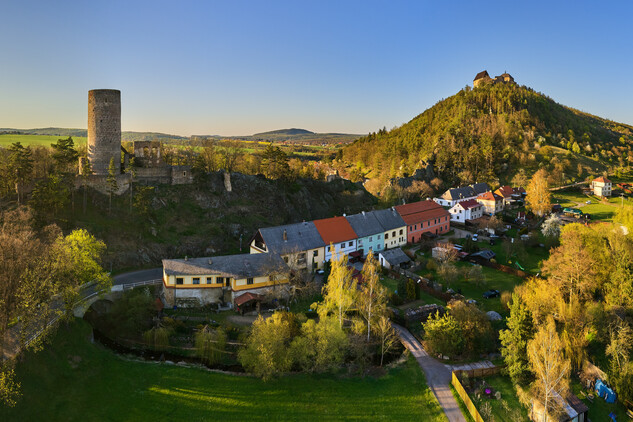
424 216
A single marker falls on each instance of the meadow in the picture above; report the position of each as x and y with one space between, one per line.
76 380
36 140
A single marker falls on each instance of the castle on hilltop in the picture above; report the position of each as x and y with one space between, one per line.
484 78
104 146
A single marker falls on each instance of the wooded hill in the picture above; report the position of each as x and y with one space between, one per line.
488 133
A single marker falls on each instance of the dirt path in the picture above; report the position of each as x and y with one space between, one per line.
438 376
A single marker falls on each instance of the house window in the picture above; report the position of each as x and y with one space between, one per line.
350 244
196 280
386 236
342 245
227 281
400 231
286 259
179 280
393 234
249 280
370 238
378 237
328 248
209 280
315 253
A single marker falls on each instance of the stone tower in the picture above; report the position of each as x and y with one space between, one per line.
104 129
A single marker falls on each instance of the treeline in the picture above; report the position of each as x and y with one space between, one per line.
580 309
42 271
487 134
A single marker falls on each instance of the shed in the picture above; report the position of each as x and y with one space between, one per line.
486 254
394 258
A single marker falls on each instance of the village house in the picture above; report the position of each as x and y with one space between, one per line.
491 202
466 210
224 278
424 217
454 195
338 235
601 186
395 229
300 245
369 232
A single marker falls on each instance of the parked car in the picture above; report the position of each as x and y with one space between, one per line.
491 293
475 237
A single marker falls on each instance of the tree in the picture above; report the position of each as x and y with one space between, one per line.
79 256
520 179
112 184
266 351
86 171
372 298
443 335
321 345
20 166
275 163
538 199
387 336
339 293
49 196
514 341
551 226
230 152
210 344
65 155
551 369
477 334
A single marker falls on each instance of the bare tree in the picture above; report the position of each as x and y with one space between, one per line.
551 368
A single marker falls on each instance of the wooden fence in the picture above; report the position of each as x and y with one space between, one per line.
466 399
478 372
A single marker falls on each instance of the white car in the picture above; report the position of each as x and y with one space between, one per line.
475 237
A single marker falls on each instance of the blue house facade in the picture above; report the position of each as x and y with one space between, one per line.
369 231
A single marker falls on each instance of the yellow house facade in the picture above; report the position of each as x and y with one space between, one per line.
201 281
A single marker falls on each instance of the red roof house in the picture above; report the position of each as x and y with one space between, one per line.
424 217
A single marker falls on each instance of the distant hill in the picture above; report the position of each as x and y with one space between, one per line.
488 134
56 131
287 132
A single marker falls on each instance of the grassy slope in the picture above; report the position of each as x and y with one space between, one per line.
103 387
35 140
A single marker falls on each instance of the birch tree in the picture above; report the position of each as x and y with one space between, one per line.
339 294
372 298
538 195
550 367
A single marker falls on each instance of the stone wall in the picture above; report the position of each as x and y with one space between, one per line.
181 175
100 183
148 154
205 296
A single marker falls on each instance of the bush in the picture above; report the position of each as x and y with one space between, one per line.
210 344
395 299
506 298
431 265
157 337
411 290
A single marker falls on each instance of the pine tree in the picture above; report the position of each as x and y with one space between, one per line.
515 339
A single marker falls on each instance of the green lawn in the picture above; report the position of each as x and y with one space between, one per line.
494 280
75 380
36 140
509 406
599 410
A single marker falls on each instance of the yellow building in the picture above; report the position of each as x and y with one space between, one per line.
199 281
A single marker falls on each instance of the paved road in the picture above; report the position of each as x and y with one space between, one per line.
136 276
438 376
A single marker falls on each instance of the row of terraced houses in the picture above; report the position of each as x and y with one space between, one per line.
307 246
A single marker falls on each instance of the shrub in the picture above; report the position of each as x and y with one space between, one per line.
210 344
506 298
411 289
395 299
157 337
431 265
443 335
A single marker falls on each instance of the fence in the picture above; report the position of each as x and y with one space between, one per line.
466 399
122 287
478 372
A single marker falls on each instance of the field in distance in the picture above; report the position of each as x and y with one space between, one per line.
36 140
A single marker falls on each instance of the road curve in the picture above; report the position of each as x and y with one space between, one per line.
138 276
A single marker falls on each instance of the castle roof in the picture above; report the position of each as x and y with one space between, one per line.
482 74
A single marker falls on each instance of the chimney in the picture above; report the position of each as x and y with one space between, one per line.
285 235
210 261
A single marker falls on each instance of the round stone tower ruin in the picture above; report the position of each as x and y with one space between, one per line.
104 130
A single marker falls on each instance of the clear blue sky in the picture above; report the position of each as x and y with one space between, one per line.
240 67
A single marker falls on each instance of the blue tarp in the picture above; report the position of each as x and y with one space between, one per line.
605 392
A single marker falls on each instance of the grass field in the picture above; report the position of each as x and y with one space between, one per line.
75 380
599 410
36 140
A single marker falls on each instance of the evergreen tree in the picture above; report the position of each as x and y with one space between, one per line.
20 167
514 341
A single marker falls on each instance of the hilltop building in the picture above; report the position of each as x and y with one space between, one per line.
484 78
104 146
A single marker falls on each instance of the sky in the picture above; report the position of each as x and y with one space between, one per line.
241 67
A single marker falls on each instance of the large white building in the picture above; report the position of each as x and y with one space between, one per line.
466 210
601 186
